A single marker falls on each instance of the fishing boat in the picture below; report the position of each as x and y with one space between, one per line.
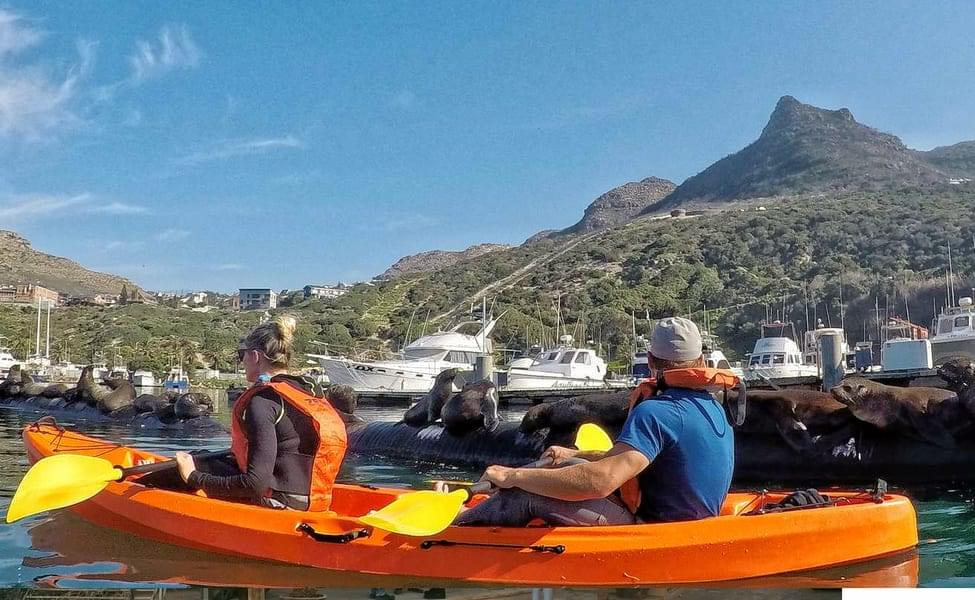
143 378
177 381
954 333
416 369
905 347
754 536
7 360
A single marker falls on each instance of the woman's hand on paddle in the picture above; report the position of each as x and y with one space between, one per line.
185 464
559 454
500 477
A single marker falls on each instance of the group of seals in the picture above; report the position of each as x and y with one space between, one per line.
112 399
475 406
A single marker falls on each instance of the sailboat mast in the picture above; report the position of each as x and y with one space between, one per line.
47 343
37 344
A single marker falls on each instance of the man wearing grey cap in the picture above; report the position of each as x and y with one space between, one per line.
673 460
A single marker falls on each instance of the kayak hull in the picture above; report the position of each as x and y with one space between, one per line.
728 547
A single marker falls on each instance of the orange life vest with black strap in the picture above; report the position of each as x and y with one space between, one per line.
329 451
696 378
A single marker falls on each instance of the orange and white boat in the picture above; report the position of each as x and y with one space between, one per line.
750 538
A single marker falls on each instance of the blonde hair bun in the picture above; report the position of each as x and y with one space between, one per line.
286 325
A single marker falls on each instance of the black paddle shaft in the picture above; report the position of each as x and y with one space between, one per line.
167 464
485 486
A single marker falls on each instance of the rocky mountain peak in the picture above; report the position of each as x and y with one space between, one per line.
621 204
806 149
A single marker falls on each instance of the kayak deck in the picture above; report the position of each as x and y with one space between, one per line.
735 545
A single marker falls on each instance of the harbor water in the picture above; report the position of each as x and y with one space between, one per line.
62 550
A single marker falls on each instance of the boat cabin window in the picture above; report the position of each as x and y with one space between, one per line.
567 359
961 322
766 359
456 356
779 359
582 358
755 360
944 326
723 364
552 356
423 353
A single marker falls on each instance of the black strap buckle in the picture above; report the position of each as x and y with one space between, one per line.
333 538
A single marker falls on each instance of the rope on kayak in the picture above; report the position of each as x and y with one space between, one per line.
64 434
557 549
333 538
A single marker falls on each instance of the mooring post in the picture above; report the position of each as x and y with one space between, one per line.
831 359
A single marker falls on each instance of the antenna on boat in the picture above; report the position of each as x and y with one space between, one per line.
951 277
805 301
409 328
842 314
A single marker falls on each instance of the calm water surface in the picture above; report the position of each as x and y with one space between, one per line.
65 551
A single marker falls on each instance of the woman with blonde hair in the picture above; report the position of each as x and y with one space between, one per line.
287 443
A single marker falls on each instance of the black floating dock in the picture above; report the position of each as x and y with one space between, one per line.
505 396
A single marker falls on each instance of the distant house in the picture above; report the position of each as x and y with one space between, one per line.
257 298
29 293
325 291
198 298
8 293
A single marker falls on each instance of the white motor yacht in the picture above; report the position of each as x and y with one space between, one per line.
420 363
563 367
954 333
776 356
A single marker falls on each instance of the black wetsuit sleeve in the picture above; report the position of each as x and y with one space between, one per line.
262 451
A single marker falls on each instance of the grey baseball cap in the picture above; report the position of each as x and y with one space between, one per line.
676 339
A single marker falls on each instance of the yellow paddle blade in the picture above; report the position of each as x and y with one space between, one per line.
418 513
59 481
591 437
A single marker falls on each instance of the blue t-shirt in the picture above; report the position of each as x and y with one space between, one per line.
691 447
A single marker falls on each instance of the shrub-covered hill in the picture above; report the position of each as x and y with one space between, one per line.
793 254
780 260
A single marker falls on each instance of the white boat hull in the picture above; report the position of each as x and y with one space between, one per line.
526 380
378 377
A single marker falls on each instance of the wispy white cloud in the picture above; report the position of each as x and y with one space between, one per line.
117 245
172 235
417 221
175 49
242 148
15 35
36 206
120 208
35 103
229 267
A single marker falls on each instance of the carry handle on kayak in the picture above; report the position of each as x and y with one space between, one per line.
333 538
165 464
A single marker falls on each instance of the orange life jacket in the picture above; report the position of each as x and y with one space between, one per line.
696 378
329 451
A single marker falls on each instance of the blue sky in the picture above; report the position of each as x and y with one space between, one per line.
219 145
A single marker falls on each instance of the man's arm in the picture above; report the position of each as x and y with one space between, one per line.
583 481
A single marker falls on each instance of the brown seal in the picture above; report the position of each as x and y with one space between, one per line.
929 414
108 397
427 410
799 417
473 407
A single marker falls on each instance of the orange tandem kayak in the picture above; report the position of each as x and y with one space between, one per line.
741 543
